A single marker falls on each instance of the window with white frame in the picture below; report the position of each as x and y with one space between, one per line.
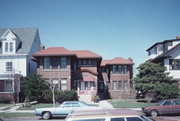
6 46
8 66
120 85
55 83
114 85
63 84
125 85
11 46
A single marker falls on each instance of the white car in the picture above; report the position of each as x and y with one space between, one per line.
107 115
63 109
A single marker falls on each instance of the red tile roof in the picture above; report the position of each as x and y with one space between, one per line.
54 51
104 62
86 54
118 60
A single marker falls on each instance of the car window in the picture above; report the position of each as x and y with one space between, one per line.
133 119
117 119
167 102
83 104
177 102
75 105
66 105
102 119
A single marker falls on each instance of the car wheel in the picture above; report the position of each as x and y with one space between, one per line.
154 113
46 115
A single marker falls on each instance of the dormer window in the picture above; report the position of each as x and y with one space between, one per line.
6 46
11 46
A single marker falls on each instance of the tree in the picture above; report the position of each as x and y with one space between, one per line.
34 88
153 83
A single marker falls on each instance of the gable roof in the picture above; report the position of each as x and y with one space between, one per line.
177 39
25 35
164 55
54 51
117 60
83 54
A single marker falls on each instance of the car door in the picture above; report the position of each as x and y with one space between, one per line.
64 109
177 106
166 107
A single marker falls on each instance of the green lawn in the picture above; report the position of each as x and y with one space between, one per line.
121 103
40 105
9 115
5 104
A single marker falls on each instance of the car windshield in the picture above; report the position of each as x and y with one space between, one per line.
160 103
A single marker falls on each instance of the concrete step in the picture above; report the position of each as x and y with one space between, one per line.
85 98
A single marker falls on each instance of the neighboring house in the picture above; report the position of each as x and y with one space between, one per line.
80 70
117 74
167 53
16 48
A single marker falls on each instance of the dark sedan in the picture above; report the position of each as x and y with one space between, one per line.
170 106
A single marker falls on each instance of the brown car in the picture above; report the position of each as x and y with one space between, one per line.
170 106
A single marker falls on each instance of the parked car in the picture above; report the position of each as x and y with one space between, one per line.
106 115
63 109
170 106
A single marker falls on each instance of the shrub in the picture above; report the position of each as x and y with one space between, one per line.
66 95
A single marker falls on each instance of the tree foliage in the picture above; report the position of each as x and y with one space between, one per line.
153 83
35 88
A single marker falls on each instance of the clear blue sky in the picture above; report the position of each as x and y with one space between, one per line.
111 28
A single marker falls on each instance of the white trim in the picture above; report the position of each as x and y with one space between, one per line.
5 34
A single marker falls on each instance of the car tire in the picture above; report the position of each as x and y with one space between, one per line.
154 113
46 115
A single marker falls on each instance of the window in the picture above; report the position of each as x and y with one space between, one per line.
168 102
119 68
117 119
55 63
63 63
160 47
8 86
55 83
125 85
63 84
114 85
174 64
46 63
155 50
114 69
8 66
119 84
11 47
177 102
6 47
125 69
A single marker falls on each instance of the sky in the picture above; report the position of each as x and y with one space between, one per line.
110 28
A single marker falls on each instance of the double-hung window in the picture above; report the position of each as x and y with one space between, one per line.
6 46
63 84
114 85
11 46
8 66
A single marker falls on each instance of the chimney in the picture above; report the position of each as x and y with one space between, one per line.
177 37
42 47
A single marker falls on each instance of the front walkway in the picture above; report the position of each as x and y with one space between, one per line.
105 104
